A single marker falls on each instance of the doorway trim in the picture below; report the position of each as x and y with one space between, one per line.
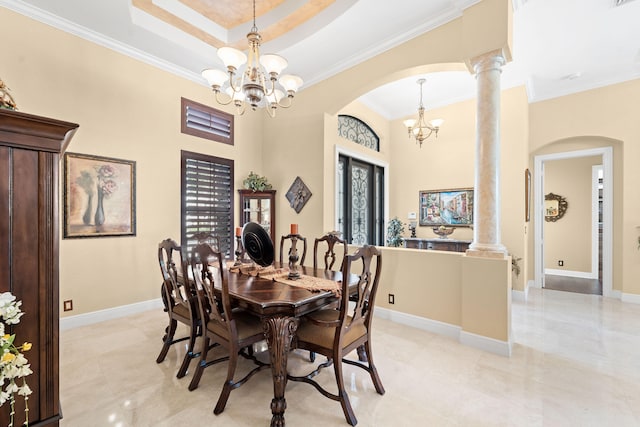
340 150
607 213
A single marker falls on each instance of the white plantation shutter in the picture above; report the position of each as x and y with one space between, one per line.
207 200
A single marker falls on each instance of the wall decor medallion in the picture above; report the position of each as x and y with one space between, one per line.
298 194
555 207
99 196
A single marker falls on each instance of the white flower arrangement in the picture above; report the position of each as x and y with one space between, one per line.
13 364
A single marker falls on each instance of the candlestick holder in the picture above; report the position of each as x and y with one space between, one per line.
239 251
293 258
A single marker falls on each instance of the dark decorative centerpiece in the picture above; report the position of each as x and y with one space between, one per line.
443 232
257 244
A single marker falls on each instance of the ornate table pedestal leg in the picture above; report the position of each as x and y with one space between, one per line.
279 332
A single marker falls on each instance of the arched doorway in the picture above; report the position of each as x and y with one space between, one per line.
607 213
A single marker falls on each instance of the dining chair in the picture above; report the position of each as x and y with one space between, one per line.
207 237
233 329
329 257
299 239
336 333
179 302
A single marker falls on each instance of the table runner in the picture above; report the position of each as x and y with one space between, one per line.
281 275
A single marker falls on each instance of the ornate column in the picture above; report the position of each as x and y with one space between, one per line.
486 209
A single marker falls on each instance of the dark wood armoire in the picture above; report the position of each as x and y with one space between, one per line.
30 150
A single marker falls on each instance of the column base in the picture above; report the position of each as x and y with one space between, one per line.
487 250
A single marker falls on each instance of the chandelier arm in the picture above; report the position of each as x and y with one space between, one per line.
269 91
233 86
240 107
220 101
271 110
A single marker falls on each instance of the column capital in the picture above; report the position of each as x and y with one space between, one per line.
493 60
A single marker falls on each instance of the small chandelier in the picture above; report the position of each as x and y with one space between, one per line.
258 85
420 129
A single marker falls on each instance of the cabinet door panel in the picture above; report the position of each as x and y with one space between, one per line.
5 179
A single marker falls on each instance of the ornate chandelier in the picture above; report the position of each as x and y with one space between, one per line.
258 85
420 129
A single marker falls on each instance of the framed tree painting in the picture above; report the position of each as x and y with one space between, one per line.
450 208
99 196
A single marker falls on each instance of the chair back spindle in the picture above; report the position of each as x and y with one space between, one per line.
329 257
207 266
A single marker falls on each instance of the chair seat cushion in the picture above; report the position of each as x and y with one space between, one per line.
181 310
247 325
323 336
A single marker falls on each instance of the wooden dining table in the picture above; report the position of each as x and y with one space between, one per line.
280 307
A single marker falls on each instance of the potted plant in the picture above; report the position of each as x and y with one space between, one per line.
256 182
395 228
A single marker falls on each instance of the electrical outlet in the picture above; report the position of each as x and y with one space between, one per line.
560 263
68 305
392 299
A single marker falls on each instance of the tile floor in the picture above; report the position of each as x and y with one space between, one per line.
575 362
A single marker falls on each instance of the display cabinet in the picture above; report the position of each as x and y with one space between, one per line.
30 150
259 207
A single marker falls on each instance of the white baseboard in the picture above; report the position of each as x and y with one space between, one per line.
518 296
491 345
85 319
632 298
614 294
569 273
521 296
441 328
418 322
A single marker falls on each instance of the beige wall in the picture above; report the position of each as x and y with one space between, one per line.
569 238
599 118
130 110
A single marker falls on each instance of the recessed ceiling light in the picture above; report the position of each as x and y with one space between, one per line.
571 76
621 2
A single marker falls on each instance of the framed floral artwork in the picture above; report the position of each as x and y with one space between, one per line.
99 196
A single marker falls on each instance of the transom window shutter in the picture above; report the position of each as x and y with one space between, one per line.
206 122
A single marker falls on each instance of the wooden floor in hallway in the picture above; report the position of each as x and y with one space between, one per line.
573 284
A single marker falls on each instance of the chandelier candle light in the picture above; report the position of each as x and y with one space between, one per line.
420 129
260 84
